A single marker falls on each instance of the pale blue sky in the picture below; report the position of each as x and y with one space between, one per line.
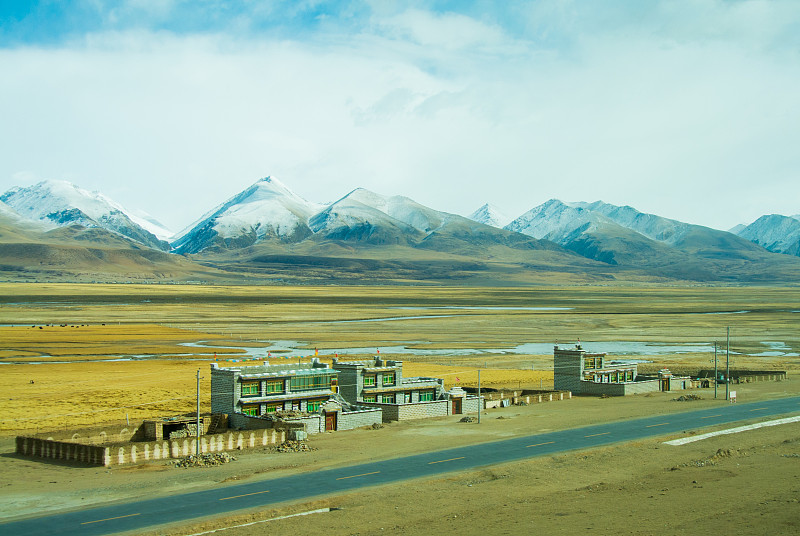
684 108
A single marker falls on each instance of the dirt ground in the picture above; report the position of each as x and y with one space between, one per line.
752 486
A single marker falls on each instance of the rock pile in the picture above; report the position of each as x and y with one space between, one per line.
687 398
293 446
205 460
468 419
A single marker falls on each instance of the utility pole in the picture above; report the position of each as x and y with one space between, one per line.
716 375
480 404
197 432
727 364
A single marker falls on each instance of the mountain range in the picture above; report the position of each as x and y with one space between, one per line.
780 234
269 232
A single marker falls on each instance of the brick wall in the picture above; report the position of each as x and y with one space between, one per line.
471 404
356 419
223 385
567 369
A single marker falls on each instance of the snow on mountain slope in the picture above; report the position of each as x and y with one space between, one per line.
150 224
372 218
489 215
652 226
556 221
267 209
369 217
61 203
9 213
779 234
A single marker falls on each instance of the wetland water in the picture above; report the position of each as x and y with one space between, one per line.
618 348
295 349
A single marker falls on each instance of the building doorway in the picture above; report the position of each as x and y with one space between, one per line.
456 406
665 384
330 421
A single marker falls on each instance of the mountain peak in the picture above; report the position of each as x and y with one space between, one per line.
60 203
489 214
266 209
777 233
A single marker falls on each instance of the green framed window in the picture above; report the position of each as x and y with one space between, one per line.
388 378
250 388
275 387
426 396
311 382
312 406
251 410
388 399
273 408
370 398
369 380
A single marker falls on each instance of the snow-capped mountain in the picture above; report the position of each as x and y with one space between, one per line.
623 235
266 210
488 214
360 206
652 226
61 204
9 213
557 221
779 234
366 216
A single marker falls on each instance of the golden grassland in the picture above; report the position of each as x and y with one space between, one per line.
114 321
70 341
81 394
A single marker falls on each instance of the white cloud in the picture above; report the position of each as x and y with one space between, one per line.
690 114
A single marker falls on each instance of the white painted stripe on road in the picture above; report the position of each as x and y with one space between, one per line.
318 511
692 439
108 519
448 460
354 476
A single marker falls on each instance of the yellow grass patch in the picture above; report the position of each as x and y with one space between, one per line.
101 341
73 395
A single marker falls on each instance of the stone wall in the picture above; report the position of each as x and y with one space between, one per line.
223 384
424 410
416 410
63 450
347 420
125 453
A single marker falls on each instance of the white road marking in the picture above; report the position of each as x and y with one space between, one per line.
692 439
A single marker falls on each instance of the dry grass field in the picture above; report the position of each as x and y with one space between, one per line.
105 353
76 332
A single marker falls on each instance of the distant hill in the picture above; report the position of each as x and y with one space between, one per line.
61 204
267 210
268 234
490 215
31 251
779 234
623 236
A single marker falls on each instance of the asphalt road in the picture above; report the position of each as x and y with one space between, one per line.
140 515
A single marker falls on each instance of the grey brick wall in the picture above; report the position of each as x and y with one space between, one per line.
567 370
356 419
222 391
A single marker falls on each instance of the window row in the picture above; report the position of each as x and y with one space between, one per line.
387 379
310 406
406 397
311 382
253 388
